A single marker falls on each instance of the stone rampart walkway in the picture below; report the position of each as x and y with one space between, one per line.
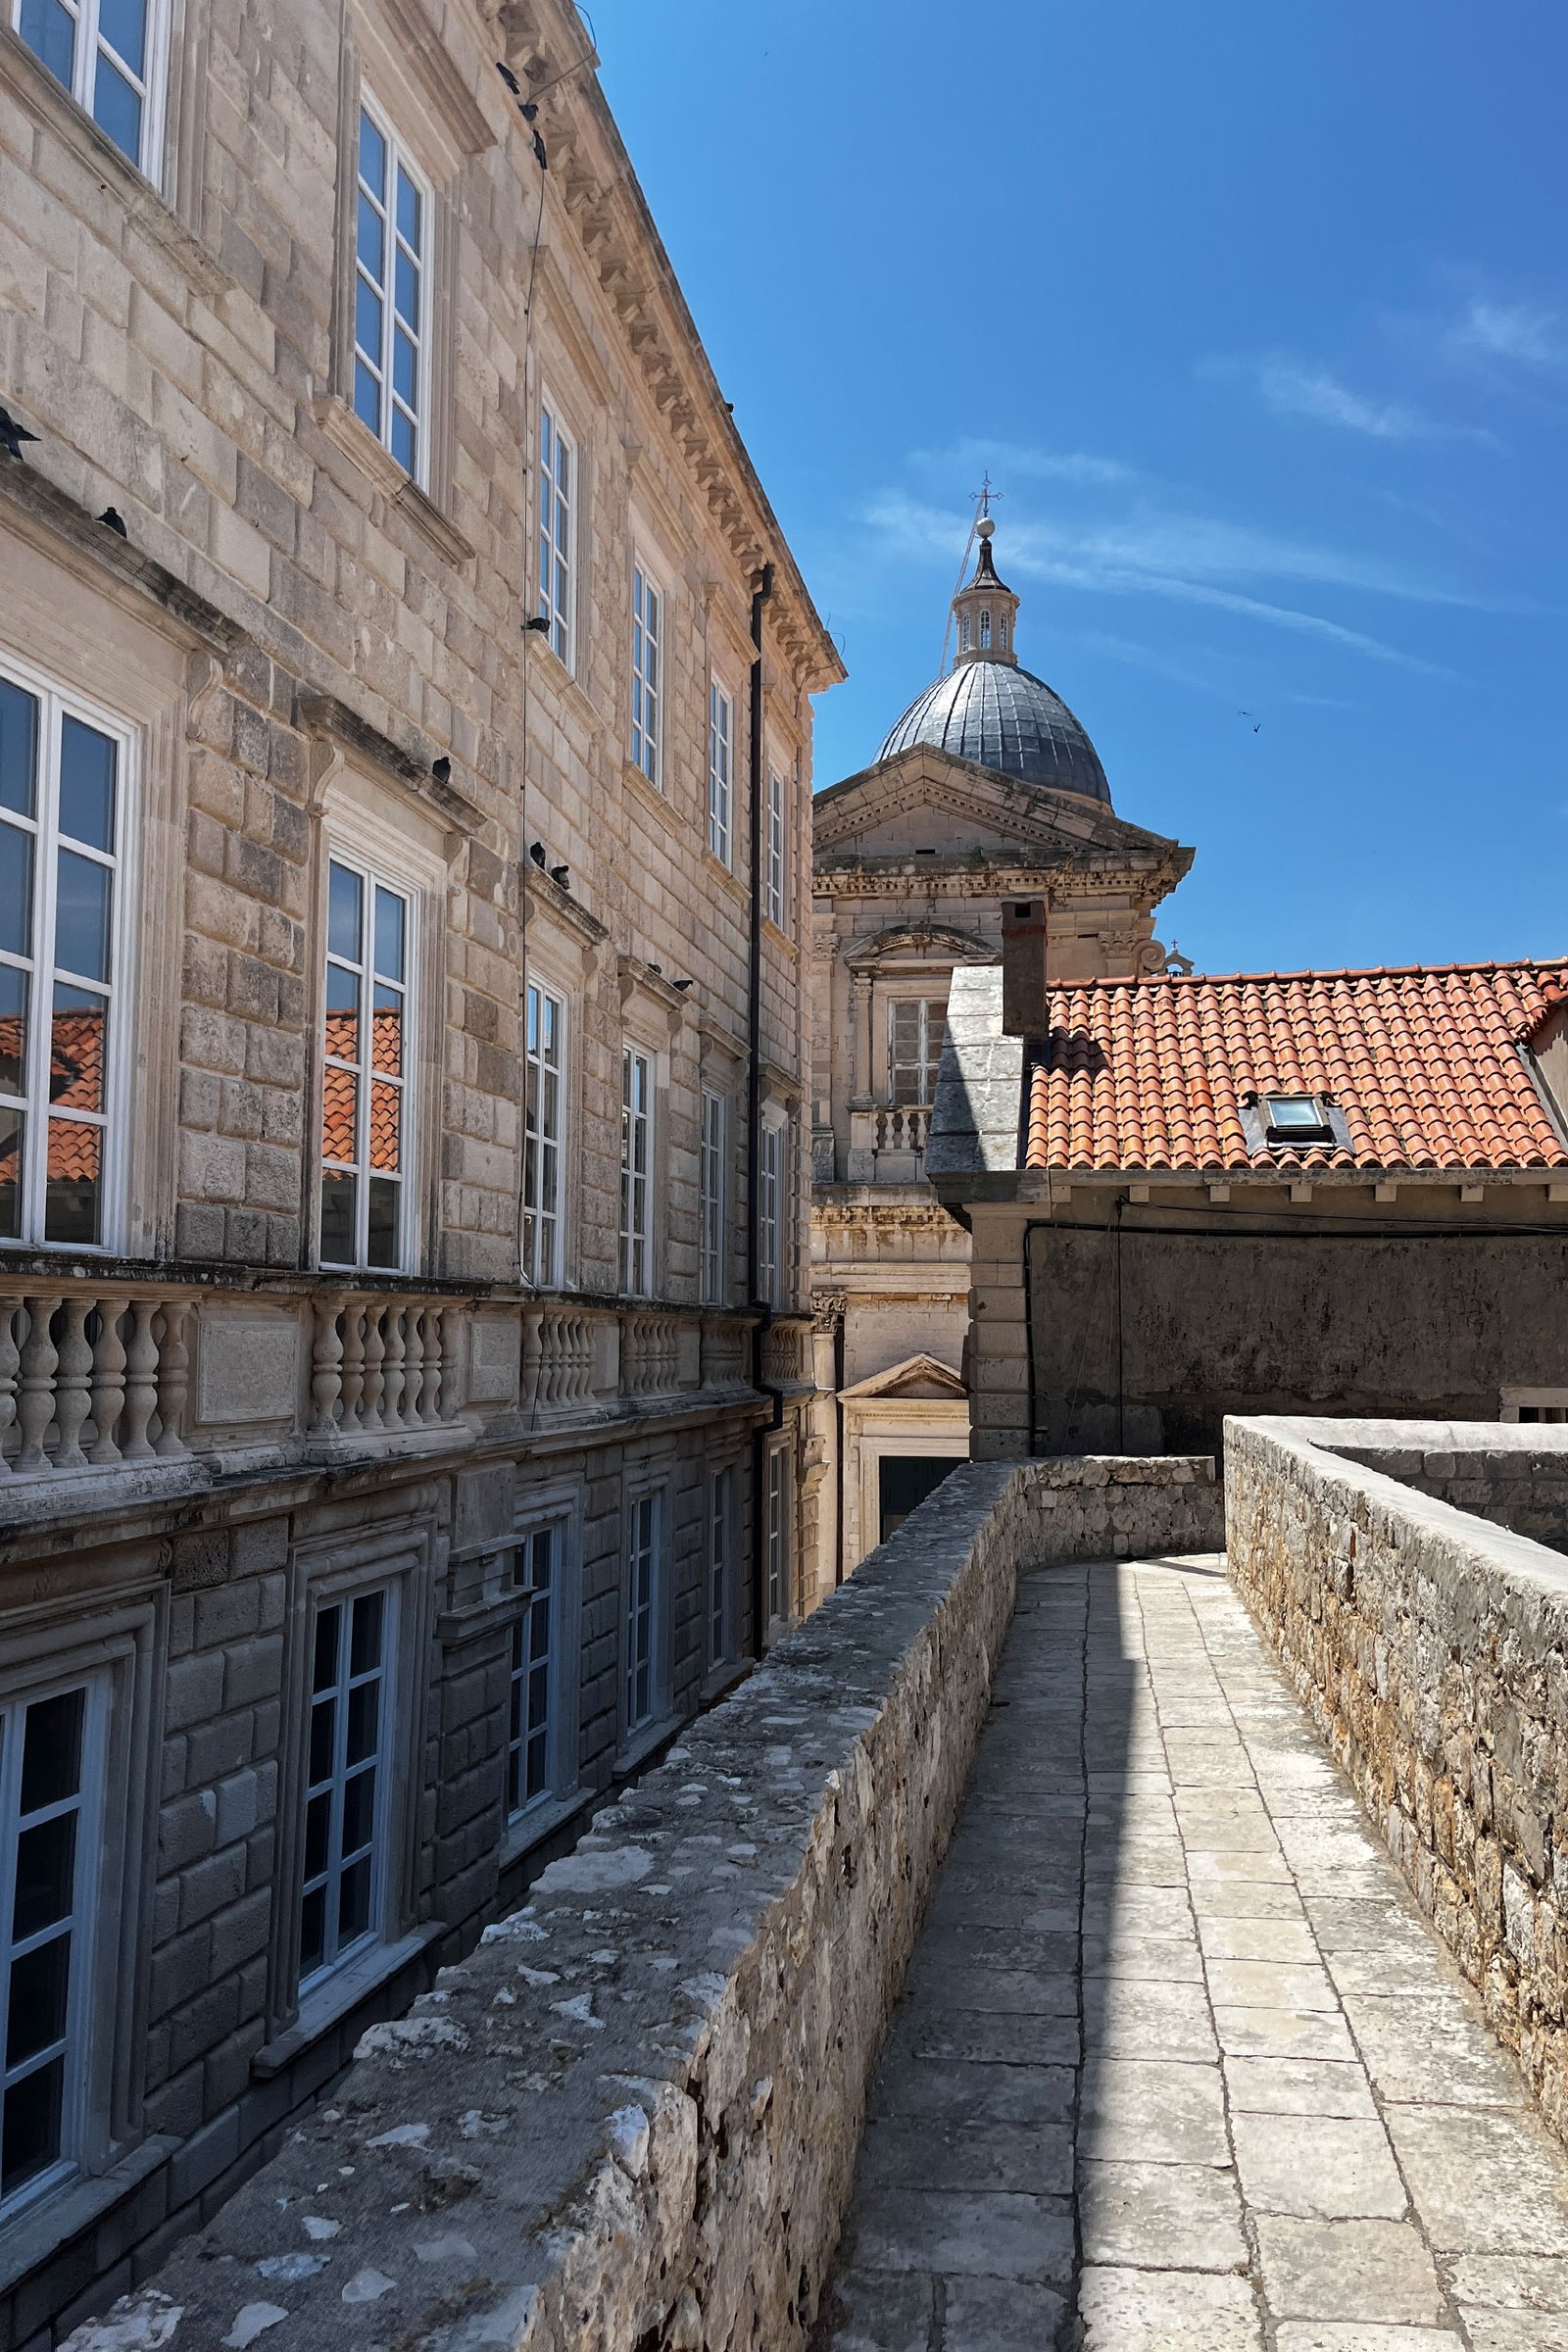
1180 2068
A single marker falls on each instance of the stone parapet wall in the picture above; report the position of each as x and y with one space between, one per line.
630 2119
1428 1643
1121 1507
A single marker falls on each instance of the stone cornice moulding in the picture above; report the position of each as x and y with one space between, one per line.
66 530
338 421
559 905
937 942
338 729
589 163
422 50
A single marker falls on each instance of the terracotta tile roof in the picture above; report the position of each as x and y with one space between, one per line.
1423 1062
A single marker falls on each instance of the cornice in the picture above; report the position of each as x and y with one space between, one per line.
591 174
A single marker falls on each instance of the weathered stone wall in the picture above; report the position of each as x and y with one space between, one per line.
1428 1645
630 2118
1117 1507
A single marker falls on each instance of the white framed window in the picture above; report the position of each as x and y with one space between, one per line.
113 57
343 1874
647 673
65 784
1001 631
642 1631
543 1135
558 527
392 218
534 1727
720 769
985 630
366 1098
636 1171
720 1565
51 1783
773 877
778 1535
772 1218
964 635
712 1179
916 1028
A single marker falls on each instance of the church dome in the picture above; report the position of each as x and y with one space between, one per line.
1002 717
989 709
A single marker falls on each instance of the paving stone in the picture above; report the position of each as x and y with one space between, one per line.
959 2092
1176 2216
998 2315
1282 2032
877 2311
1511 2282
1269 1985
1128 2018
997 2040
977 1986
1483 2180
1287 1942
1166 2311
1321 2167
1153 2112
1354 2335
1514 2330
1433 2051
1298 2087
1011 2237
1348 2269
1156 1959
916 2152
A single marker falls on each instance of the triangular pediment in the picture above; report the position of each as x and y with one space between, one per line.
918 1378
924 801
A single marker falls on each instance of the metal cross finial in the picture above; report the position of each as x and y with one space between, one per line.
985 494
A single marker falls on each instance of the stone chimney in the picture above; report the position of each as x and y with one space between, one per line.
1023 966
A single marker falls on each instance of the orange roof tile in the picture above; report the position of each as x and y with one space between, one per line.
1423 1062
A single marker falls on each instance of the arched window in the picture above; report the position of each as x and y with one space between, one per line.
964 635
985 629
1001 631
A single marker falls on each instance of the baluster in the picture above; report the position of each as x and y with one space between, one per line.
71 1393
528 1382
436 1365
392 1369
550 1330
141 1381
374 1351
108 1380
10 1357
326 1362
414 1368
351 1380
173 1377
35 1394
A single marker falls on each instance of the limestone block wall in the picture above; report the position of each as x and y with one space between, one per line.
1120 1508
1429 1643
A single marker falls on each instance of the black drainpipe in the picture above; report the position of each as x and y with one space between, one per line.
762 590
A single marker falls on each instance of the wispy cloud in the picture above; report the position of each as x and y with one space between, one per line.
1514 330
1010 461
1180 558
1295 389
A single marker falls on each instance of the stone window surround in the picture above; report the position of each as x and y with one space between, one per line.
123 1639
67 627
722 1073
654 574
555 387
560 1504
151 162
361 822
440 129
562 960
165 203
539 978
712 1197
721 839
324 1569
400 159
640 1479
646 1025
778 1462
118 998
776 847
725 1461
776 1264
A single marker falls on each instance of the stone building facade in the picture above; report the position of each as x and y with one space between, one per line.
986 793
405 786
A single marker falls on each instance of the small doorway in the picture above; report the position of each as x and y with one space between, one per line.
904 1480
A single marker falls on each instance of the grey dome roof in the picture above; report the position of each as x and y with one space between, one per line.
1003 718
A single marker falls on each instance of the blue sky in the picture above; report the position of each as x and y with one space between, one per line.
1258 317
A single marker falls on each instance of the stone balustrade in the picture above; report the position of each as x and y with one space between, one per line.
128 1371
91 1375
558 1359
380 1366
886 1143
787 1353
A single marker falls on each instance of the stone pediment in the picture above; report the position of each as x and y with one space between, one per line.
924 803
919 1379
